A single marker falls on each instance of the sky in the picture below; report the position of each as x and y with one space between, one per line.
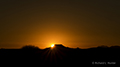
73 23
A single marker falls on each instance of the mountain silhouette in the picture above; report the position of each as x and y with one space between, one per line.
60 55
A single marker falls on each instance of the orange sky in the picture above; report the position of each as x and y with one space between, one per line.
74 23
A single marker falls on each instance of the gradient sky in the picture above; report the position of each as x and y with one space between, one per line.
74 23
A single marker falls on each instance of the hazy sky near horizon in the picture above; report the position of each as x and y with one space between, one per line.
74 23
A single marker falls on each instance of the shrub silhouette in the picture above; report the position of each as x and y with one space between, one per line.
30 47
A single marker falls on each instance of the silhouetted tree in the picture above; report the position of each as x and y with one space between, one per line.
30 47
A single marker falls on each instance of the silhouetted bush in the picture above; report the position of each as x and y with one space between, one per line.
30 47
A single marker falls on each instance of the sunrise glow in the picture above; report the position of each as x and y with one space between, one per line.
52 45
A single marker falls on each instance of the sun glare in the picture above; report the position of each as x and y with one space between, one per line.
52 45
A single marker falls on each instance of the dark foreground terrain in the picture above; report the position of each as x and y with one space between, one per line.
61 56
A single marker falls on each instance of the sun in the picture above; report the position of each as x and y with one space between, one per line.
52 45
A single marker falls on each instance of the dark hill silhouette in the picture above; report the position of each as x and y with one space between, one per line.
60 55
59 45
